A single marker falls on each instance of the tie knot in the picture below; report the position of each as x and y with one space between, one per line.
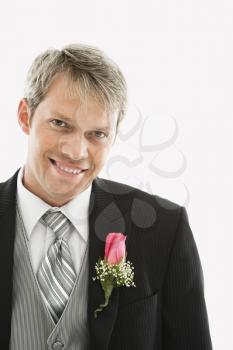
58 222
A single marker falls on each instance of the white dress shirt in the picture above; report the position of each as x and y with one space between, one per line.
39 237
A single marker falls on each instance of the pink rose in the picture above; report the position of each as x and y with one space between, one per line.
115 249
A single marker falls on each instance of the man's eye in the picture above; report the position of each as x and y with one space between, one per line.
59 123
100 134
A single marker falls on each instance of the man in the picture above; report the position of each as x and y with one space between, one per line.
55 214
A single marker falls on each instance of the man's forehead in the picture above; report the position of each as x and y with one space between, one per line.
81 90
85 99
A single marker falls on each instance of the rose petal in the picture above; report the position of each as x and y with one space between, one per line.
115 249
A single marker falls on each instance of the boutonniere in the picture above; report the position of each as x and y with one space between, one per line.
113 271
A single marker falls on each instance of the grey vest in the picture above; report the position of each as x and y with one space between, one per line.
32 327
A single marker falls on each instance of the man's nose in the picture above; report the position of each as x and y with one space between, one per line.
74 147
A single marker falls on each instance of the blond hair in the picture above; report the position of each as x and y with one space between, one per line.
93 73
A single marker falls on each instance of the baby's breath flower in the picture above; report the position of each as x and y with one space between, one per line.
113 276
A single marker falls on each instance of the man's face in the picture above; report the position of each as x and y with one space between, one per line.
65 137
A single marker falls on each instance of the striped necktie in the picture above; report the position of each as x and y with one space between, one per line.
56 274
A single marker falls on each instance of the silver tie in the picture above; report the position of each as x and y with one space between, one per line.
56 275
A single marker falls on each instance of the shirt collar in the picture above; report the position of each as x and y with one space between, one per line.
32 208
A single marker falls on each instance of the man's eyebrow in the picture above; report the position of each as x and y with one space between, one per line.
65 118
60 115
106 128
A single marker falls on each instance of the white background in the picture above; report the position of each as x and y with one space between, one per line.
177 57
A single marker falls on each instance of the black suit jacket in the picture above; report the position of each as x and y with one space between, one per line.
166 310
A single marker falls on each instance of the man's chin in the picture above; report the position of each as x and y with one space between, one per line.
58 199
60 196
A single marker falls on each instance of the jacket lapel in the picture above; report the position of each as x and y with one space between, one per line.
7 236
105 215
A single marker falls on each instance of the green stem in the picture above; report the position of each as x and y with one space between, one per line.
107 294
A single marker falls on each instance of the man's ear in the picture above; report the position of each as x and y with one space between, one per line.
24 116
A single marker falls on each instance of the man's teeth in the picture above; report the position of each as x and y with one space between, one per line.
69 170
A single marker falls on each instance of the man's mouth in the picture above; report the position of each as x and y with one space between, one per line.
66 169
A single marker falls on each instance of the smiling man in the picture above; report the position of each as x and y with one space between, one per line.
55 215
69 140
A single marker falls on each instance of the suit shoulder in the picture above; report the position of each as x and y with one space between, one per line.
9 185
121 189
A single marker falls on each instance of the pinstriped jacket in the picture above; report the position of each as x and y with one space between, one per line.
166 310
